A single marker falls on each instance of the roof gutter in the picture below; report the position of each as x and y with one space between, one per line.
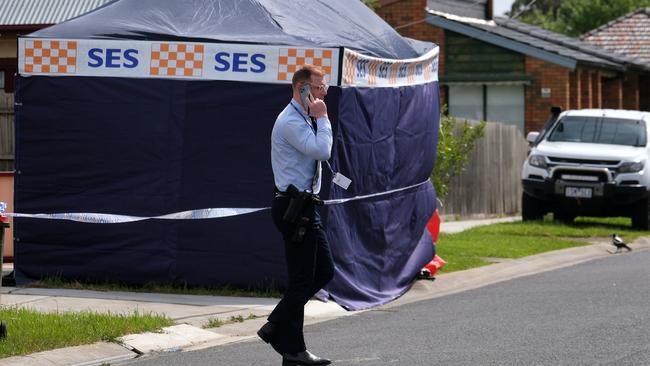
619 67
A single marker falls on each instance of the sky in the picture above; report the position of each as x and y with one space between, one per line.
501 6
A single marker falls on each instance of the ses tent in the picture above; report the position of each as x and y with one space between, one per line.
143 144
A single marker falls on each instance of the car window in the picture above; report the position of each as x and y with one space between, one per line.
600 130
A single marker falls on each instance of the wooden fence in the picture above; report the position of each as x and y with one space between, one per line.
6 132
491 183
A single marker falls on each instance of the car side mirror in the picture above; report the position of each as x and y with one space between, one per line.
532 137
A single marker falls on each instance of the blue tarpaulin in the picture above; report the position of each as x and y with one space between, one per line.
322 23
149 147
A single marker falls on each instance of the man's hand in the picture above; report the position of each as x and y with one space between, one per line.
317 108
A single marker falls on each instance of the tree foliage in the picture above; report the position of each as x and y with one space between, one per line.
372 4
456 141
573 17
545 6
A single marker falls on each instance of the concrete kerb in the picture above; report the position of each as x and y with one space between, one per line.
188 336
190 313
451 227
451 283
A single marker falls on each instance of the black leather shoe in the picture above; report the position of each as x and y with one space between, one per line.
266 333
303 358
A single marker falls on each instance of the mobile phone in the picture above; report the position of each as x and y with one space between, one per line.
305 96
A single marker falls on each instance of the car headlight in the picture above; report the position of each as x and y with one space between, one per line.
631 167
537 161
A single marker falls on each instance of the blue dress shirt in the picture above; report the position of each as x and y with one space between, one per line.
295 148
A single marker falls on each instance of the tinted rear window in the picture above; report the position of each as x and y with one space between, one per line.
600 130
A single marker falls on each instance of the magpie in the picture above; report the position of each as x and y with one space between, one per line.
618 242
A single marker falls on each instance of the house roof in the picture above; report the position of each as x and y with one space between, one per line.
628 35
28 12
517 40
570 43
534 41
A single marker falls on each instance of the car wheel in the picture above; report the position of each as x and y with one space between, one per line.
641 215
563 217
531 208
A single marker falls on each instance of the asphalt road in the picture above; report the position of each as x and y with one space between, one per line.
595 313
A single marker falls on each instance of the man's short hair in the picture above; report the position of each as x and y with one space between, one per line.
305 73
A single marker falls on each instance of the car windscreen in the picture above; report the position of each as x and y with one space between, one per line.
599 130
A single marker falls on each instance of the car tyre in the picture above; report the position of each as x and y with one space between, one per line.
641 215
563 217
531 208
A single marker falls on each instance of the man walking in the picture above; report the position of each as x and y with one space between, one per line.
301 139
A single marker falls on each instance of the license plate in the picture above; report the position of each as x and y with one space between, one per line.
577 192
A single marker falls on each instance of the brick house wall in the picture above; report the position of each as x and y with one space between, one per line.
631 91
575 89
644 93
597 89
613 93
586 88
545 75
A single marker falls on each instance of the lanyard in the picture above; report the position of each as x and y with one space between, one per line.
312 124
313 127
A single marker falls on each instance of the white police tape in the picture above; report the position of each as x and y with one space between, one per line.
206 213
343 200
98 218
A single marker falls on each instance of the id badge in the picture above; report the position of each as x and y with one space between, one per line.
341 180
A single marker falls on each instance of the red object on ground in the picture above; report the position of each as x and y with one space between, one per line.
436 263
432 267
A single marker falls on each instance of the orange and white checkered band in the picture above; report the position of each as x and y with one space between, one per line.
372 71
291 59
410 73
351 62
394 69
176 59
43 56
428 68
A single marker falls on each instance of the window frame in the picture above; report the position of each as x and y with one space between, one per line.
485 87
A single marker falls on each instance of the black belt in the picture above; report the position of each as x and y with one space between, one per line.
278 193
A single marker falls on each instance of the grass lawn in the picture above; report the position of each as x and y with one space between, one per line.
478 246
29 331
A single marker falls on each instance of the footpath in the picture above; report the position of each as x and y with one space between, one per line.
191 312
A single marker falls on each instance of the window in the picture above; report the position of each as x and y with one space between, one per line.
466 102
495 103
505 103
7 71
598 130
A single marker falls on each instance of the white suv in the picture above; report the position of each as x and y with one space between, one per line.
589 162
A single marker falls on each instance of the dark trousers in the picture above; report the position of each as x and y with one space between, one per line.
310 267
